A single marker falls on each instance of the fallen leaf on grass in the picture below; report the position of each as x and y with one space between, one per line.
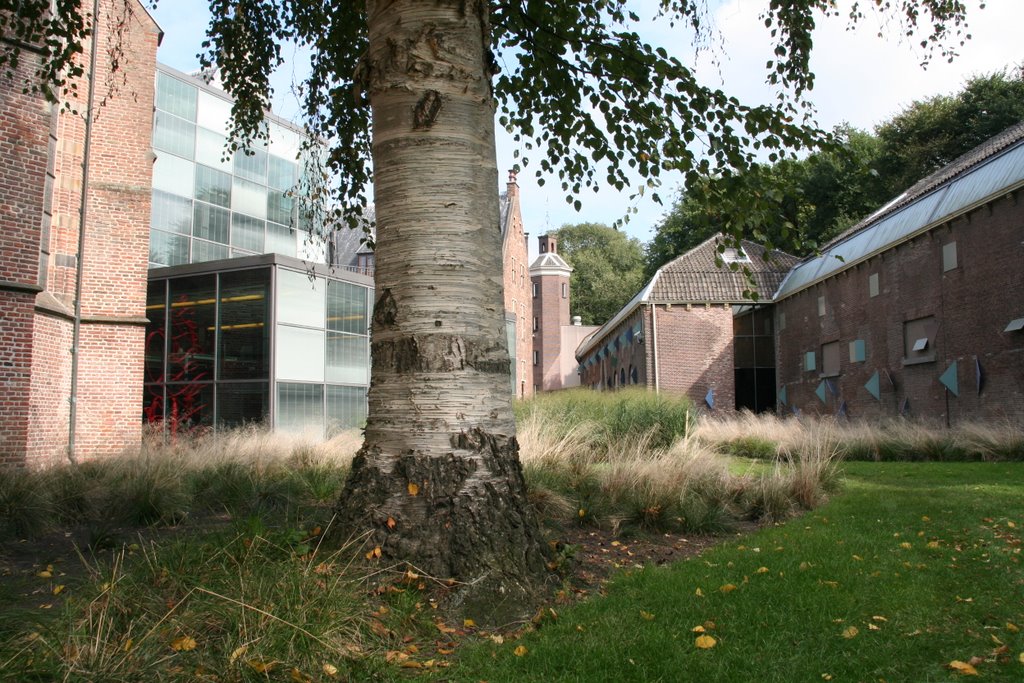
299 677
236 653
498 639
1012 627
1020 658
705 642
762 570
520 651
468 623
933 544
850 632
647 615
878 618
699 593
391 523
373 554
58 589
962 668
261 666
905 545
698 629
727 588
183 644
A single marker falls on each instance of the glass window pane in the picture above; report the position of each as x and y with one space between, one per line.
166 249
211 150
299 354
346 307
174 135
249 198
280 239
211 223
207 251
191 338
244 314
300 301
246 232
764 352
156 311
744 351
213 186
282 173
241 403
188 406
153 403
284 142
251 164
346 408
348 358
213 112
176 96
173 174
280 207
171 213
300 407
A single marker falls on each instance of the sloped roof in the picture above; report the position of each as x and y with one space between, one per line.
504 211
990 169
549 261
694 277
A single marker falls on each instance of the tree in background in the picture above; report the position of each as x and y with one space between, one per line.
414 86
803 204
608 269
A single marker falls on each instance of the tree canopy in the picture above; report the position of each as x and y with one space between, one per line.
804 203
608 269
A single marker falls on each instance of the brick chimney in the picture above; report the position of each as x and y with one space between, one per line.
513 187
548 244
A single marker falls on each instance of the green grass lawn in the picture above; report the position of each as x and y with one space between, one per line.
914 566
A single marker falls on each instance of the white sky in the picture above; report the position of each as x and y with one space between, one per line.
860 79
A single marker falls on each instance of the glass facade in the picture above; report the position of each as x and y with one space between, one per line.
209 202
269 341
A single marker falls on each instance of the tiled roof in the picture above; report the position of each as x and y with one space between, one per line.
549 260
504 207
695 277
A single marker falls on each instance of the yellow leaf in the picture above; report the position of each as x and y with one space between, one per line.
582 513
1012 627
1020 658
905 545
497 638
391 522
762 570
414 489
236 653
705 642
298 676
874 627
1011 524
330 669
128 644
698 629
444 628
468 623
699 593
183 644
373 554
647 615
933 544
878 618
519 651
926 518
58 588
962 668
858 558
826 677
260 666
804 566
411 664
850 632
727 588
45 574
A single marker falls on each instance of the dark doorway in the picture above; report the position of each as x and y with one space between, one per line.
754 344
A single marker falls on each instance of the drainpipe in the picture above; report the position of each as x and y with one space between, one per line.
76 330
654 344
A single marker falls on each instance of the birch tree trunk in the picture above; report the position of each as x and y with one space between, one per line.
438 481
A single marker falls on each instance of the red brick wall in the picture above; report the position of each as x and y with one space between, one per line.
552 311
627 357
972 304
25 121
695 353
115 259
518 294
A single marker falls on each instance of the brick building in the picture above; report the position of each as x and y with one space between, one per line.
692 330
919 309
72 291
518 305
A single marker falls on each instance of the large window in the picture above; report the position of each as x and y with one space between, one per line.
830 359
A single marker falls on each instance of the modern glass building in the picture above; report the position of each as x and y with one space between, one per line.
210 203
240 329
259 339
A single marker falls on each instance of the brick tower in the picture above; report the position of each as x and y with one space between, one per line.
549 275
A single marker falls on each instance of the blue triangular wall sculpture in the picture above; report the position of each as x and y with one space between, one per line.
820 391
782 396
709 398
873 387
949 379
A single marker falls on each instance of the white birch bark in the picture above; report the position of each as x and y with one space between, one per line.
438 480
